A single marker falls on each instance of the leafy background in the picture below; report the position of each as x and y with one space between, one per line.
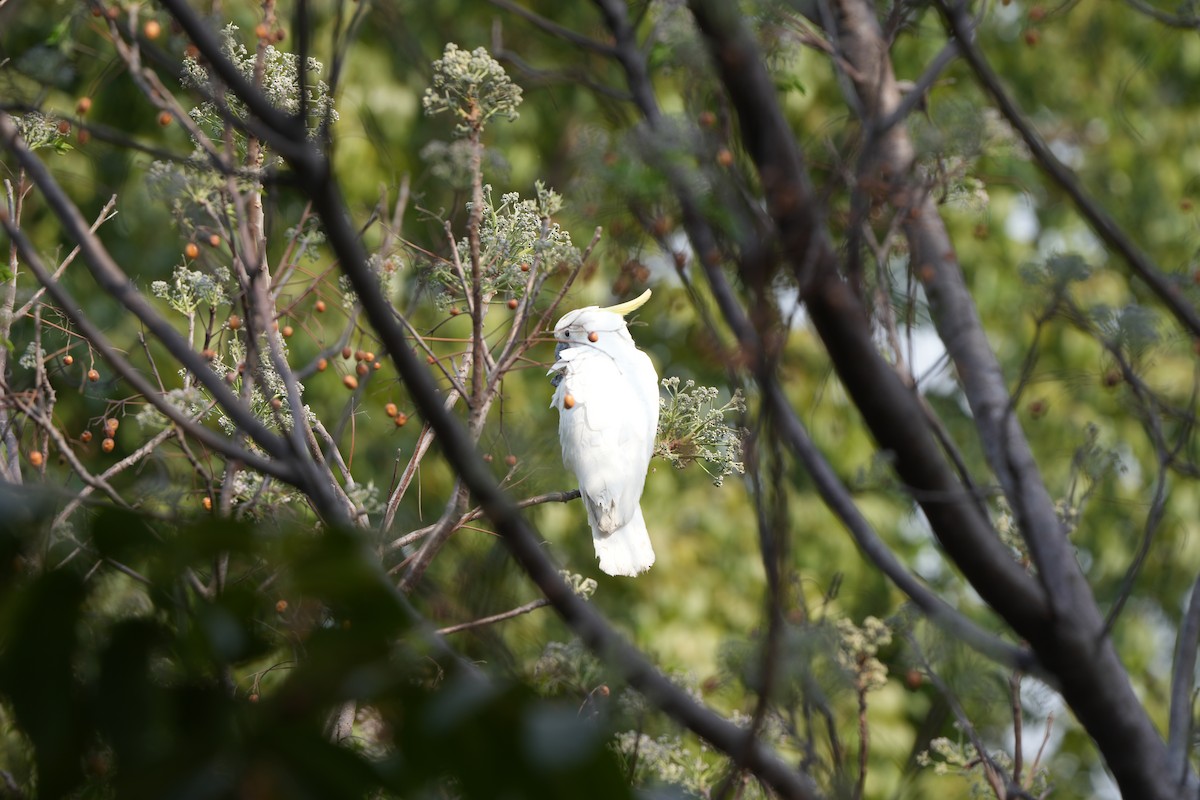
148 676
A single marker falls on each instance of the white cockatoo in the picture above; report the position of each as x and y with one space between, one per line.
606 393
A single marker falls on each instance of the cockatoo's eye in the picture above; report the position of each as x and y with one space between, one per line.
567 334
593 337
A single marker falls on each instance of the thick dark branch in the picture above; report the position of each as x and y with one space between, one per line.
959 24
1068 634
522 540
839 500
889 408
316 180
704 242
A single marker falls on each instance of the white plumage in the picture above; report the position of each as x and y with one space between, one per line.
606 393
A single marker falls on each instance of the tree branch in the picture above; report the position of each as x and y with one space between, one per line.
959 24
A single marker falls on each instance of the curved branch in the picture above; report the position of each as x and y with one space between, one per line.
1179 735
959 24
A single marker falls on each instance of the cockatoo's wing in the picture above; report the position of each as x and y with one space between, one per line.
608 415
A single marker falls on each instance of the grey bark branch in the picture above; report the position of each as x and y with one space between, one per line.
704 243
1066 633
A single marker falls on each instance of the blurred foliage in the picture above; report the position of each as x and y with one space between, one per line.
119 680
126 685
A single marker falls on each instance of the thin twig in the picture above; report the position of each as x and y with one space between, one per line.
534 605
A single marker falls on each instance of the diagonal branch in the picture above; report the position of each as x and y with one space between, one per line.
1063 626
316 180
959 24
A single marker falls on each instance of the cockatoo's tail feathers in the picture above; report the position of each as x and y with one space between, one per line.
627 550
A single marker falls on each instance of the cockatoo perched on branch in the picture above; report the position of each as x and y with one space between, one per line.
606 393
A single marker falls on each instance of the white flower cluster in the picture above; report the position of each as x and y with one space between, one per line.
38 131
692 428
514 237
190 401
190 288
32 355
472 86
280 84
581 586
665 759
857 650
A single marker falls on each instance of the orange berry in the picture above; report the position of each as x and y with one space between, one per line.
214 240
401 419
724 157
35 458
111 424
164 118
568 400
260 30
287 331
253 698
350 382
1032 37
93 375
524 268
454 312
152 29
64 127
511 460
347 352
276 403
913 679
708 119
430 359
84 136
280 35
319 307
391 410
362 368
206 501
281 606
377 365
235 322
85 437
1037 13
209 354
112 12
593 337
191 250
487 458
368 355
513 303
108 444
68 359
191 51
322 365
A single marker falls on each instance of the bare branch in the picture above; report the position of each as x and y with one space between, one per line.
1183 672
958 23
534 605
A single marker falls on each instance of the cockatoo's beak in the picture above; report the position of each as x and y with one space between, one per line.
629 305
